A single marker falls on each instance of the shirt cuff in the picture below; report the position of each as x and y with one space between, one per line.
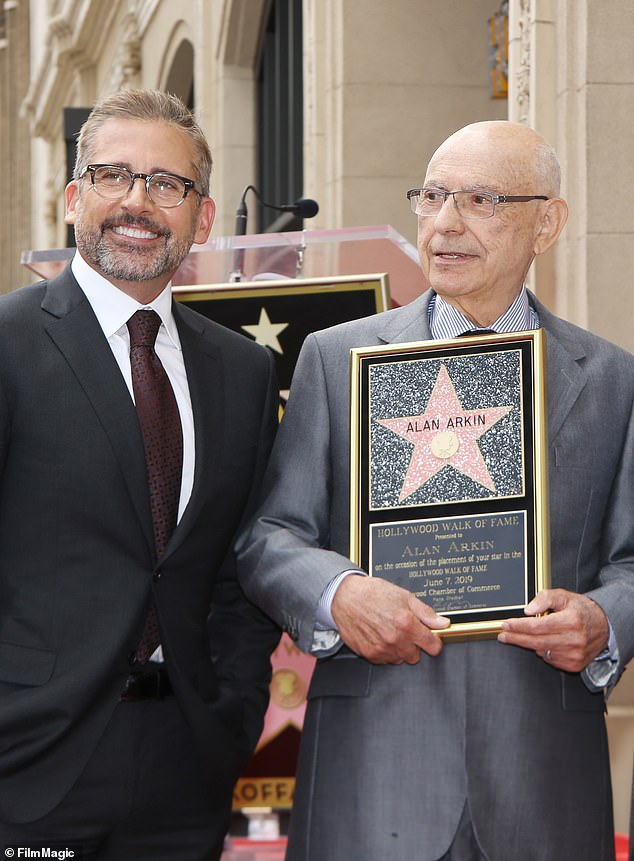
600 674
326 639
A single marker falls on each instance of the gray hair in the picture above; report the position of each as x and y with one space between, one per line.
146 105
547 168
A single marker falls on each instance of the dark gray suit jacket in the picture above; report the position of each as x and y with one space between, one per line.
391 754
76 544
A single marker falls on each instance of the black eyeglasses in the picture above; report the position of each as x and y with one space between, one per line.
112 182
469 203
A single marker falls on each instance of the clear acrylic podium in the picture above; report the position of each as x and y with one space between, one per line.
278 256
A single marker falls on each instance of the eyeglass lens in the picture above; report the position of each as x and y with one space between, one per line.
163 189
472 204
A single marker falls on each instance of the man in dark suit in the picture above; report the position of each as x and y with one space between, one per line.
133 671
491 749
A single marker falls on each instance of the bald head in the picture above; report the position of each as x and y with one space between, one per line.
479 263
525 161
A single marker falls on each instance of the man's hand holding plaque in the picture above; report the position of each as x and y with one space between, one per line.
566 629
384 623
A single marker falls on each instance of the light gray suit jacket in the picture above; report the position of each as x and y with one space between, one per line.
391 754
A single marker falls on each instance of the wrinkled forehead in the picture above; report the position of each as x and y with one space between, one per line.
484 160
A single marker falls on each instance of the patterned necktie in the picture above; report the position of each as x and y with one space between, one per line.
163 441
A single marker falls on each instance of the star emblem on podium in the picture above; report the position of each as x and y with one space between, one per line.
265 332
445 434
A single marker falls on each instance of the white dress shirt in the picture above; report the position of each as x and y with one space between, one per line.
113 308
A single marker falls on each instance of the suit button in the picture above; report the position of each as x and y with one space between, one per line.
157 575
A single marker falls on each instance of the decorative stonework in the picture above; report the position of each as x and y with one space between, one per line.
74 39
522 77
126 69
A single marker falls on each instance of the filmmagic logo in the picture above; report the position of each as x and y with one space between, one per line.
43 852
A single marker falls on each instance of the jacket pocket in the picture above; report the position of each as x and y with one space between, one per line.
344 675
25 665
576 697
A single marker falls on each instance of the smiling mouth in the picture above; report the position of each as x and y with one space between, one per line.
134 232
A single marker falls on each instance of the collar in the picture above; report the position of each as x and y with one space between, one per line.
113 308
445 321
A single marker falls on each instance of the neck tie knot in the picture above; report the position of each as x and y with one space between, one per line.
143 327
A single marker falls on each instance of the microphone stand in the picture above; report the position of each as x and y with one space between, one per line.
237 272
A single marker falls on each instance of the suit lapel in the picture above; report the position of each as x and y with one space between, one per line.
565 374
204 367
566 381
409 323
74 329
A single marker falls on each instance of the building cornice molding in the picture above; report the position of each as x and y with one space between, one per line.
523 75
75 38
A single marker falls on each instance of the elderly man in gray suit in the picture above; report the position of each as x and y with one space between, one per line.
494 749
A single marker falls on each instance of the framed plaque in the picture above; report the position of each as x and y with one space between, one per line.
449 483
280 314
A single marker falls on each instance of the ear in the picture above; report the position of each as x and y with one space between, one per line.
553 218
71 196
206 215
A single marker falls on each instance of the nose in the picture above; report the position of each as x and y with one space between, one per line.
137 197
449 218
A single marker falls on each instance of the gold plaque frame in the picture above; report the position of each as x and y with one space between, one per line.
449 474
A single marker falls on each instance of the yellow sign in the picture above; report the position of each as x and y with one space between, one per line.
264 792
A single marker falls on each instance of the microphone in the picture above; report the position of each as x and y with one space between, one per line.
304 207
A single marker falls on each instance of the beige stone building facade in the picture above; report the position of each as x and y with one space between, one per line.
381 85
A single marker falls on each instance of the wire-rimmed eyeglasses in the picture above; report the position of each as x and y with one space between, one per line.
470 203
112 182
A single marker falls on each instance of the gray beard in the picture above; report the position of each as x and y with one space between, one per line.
132 263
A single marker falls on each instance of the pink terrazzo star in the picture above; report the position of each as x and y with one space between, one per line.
445 434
